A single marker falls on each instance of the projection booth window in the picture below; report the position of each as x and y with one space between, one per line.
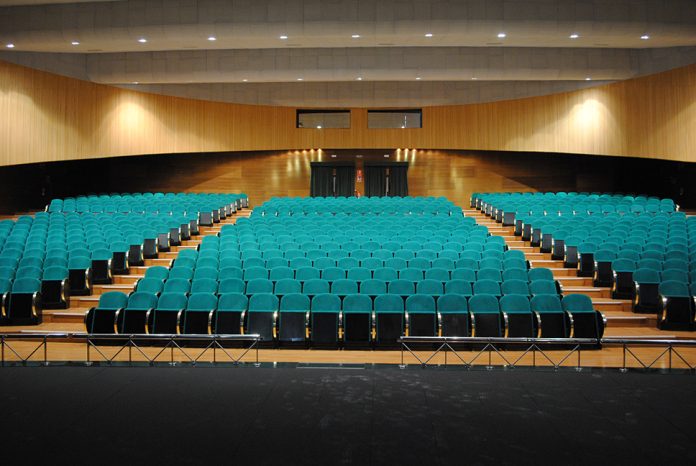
383 119
320 119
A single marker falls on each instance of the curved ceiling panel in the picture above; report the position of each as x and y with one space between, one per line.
187 24
371 64
393 47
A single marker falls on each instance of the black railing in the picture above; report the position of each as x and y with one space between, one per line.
134 344
467 352
539 348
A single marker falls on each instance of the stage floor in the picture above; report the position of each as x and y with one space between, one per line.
371 416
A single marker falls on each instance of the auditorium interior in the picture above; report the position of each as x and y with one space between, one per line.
348 231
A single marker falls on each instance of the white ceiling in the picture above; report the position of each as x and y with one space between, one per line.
392 46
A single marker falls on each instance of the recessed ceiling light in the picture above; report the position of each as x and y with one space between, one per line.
474 79
588 79
212 38
418 78
355 36
300 79
574 36
429 34
10 46
142 40
244 80
359 78
319 127
136 82
75 42
283 37
645 37
502 35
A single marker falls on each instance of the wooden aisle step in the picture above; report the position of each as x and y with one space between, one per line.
574 281
537 256
127 279
101 289
620 305
72 316
158 261
627 319
592 292
549 264
561 272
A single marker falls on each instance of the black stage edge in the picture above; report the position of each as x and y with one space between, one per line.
331 416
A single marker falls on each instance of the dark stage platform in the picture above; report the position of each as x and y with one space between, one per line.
331 416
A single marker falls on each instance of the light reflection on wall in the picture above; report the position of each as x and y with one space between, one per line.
587 115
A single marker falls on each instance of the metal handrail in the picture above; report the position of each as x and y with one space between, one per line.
447 345
128 336
551 341
493 340
574 346
130 341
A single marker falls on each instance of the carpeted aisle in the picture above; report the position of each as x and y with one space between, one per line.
321 416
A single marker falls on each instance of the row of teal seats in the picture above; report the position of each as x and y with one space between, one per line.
393 247
343 286
127 202
276 257
333 273
474 251
323 262
450 250
328 319
300 233
256 220
563 197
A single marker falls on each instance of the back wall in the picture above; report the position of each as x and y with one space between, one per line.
45 117
454 174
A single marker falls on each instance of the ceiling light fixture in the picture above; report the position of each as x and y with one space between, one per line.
418 78
10 46
474 79
300 79
75 42
588 79
142 40
136 82
359 78
283 37
429 34
244 80
645 37
574 36
355 36
502 35
212 38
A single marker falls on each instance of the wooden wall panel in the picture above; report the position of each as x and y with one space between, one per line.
44 117
453 174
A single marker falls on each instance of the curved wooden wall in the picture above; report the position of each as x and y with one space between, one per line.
45 117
